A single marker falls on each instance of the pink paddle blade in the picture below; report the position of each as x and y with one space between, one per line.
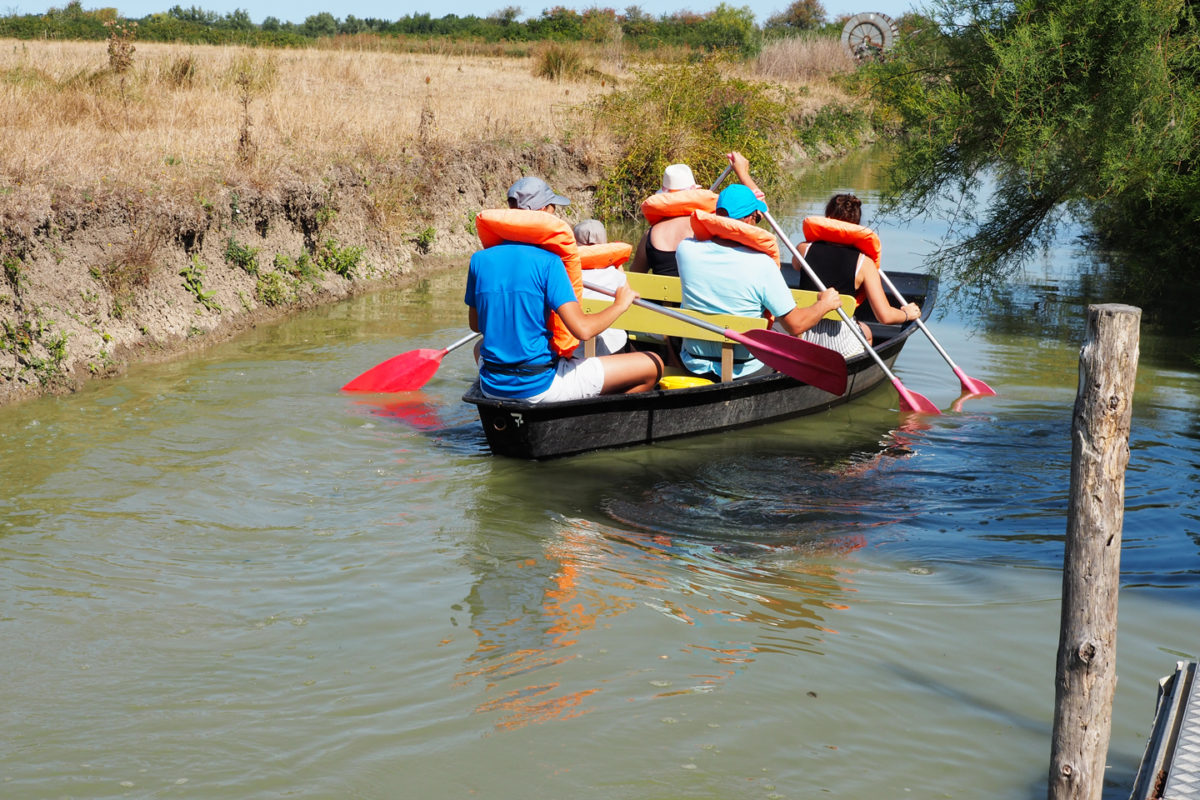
815 365
406 372
913 401
973 386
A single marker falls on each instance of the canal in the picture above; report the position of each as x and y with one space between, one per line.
222 578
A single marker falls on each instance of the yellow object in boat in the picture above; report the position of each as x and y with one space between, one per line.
681 381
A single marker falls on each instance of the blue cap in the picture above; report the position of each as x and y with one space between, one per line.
737 200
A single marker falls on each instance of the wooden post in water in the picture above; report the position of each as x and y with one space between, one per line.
1086 673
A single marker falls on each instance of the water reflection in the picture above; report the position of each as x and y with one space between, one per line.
748 563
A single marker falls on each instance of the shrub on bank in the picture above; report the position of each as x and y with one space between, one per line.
690 113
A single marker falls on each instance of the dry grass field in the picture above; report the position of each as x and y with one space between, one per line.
806 58
156 200
176 117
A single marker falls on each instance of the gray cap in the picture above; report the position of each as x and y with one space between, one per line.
591 231
535 194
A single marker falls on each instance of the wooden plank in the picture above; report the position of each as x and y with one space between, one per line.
655 288
646 321
668 289
805 298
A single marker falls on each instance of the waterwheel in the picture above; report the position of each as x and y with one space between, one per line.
866 36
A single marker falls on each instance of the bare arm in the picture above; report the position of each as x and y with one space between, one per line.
798 320
741 168
473 319
640 262
885 312
588 326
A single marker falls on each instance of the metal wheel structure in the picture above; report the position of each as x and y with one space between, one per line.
868 35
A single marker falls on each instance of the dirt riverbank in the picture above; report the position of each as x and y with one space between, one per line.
202 191
86 289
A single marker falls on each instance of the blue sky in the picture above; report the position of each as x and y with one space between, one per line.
298 10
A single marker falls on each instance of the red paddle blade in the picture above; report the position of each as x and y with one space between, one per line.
406 372
971 385
912 401
815 365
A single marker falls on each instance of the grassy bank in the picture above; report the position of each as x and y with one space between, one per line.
154 199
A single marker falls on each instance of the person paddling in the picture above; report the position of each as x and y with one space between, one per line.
516 288
845 256
731 266
669 213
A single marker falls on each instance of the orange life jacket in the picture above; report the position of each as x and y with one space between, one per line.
599 256
706 226
665 205
836 231
500 225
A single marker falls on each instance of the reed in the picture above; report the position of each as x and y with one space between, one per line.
804 58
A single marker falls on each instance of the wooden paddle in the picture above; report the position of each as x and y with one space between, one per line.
909 400
969 385
406 372
815 365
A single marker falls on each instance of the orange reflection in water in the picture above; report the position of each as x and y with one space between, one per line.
546 635
532 705
528 615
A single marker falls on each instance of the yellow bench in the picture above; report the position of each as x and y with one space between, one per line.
666 289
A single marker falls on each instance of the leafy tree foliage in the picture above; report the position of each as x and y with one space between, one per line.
801 15
1090 106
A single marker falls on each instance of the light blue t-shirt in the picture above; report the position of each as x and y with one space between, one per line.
513 288
725 279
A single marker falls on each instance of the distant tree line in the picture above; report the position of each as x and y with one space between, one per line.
726 27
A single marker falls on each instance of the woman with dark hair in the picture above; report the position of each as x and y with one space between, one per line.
845 256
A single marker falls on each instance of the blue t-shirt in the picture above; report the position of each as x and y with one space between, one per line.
723 279
513 288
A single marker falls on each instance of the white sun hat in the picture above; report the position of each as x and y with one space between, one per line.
678 177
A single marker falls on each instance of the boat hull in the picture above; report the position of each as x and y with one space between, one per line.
551 430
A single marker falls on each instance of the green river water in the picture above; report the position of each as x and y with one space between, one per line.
222 578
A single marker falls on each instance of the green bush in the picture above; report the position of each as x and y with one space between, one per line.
341 260
193 280
302 268
272 289
698 115
238 255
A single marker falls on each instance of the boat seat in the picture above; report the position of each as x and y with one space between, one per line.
667 289
643 320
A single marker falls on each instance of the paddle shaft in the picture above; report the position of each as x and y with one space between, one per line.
670 312
851 324
804 361
721 178
909 400
969 384
469 337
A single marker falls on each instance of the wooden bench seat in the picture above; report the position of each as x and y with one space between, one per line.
666 289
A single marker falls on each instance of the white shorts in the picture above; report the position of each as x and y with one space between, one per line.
612 340
574 379
836 335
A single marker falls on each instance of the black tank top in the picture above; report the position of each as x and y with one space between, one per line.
660 262
835 265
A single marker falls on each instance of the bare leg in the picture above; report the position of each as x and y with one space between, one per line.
866 332
629 373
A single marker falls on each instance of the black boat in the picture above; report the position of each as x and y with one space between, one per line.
521 429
